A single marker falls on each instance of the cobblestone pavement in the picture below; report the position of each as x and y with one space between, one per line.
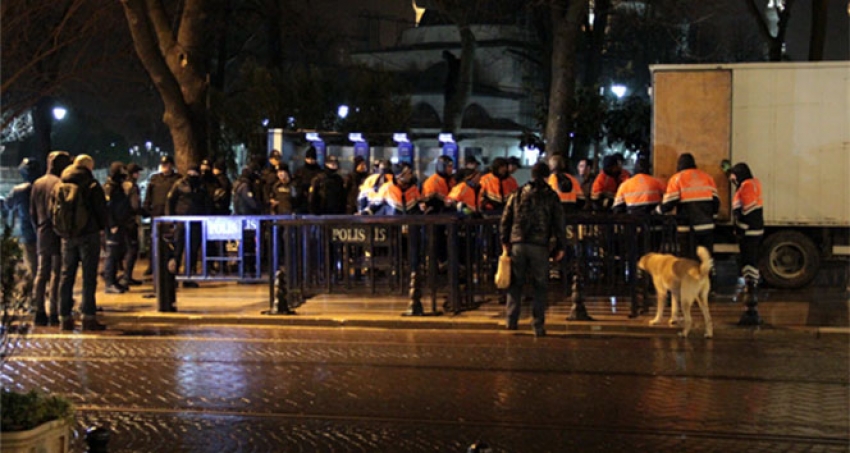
259 389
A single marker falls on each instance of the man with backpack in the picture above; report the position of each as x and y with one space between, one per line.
79 215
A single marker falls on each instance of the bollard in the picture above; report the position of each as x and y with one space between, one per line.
578 312
97 438
751 315
165 281
280 304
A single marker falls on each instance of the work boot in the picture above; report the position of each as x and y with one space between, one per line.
539 332
67 324
91 325
54 320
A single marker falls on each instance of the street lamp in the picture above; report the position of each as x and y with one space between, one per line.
342 111
59 113
618 90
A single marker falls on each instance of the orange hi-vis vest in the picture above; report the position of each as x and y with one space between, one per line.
494 191
565 197
437 187
640 190
748 208
605 186
400 201
463 194
694 195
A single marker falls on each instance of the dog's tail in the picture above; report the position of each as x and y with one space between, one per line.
705 261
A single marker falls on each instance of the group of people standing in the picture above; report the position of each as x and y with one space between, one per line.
530 215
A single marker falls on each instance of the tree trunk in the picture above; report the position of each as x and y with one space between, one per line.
176 69
42 124
565 29
453 110
818 35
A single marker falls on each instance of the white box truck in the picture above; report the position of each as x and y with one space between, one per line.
790 122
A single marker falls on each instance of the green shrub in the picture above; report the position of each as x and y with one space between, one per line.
24 411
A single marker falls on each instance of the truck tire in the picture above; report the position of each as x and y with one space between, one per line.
789 259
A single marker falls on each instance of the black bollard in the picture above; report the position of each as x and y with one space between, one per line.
166 284
751 315
97 438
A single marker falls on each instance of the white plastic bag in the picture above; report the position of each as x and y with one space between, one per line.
503 272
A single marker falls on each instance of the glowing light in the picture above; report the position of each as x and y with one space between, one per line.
59 113
446 137
355 137
618 90
400 137
342 111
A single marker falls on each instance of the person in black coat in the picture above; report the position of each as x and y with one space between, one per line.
188 197
118 211
156 196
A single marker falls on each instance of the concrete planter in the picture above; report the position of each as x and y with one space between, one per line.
50 437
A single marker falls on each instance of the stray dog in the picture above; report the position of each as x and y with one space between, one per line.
687 281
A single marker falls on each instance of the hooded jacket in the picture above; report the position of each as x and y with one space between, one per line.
93 193
693 193
533 215
117 203
18 200
747 204
42 189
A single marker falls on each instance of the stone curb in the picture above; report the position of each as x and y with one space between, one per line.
722 330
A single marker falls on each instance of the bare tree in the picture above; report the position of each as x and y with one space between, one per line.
174 58
47 45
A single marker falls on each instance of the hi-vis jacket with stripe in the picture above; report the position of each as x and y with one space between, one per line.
398 201
435 189
494 192
605 187
640 194
693 193
464 197
747 208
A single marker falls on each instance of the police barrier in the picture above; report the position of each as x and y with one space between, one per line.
433 258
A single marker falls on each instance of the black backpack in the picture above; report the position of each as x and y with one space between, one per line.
69 209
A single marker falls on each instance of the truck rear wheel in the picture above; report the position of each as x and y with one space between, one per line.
789 259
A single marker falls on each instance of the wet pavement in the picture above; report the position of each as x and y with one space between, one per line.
216 388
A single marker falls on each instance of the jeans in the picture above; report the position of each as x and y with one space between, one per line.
528 260
85 250
49 271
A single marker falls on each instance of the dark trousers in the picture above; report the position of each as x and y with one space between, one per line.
528 261
83 250
49 271
116 245
132 251
749 257
194 244
689 241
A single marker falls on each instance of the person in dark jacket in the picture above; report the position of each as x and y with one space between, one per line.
156 196
267 179
222 200
188 197
118 211
532 216
303 178
748 213
83 248
327 190
353 181
283 193
49 267
245 201
18 202
131 223
693 194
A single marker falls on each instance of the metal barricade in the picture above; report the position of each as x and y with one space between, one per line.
433 259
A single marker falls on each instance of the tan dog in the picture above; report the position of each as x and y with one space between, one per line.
687 281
